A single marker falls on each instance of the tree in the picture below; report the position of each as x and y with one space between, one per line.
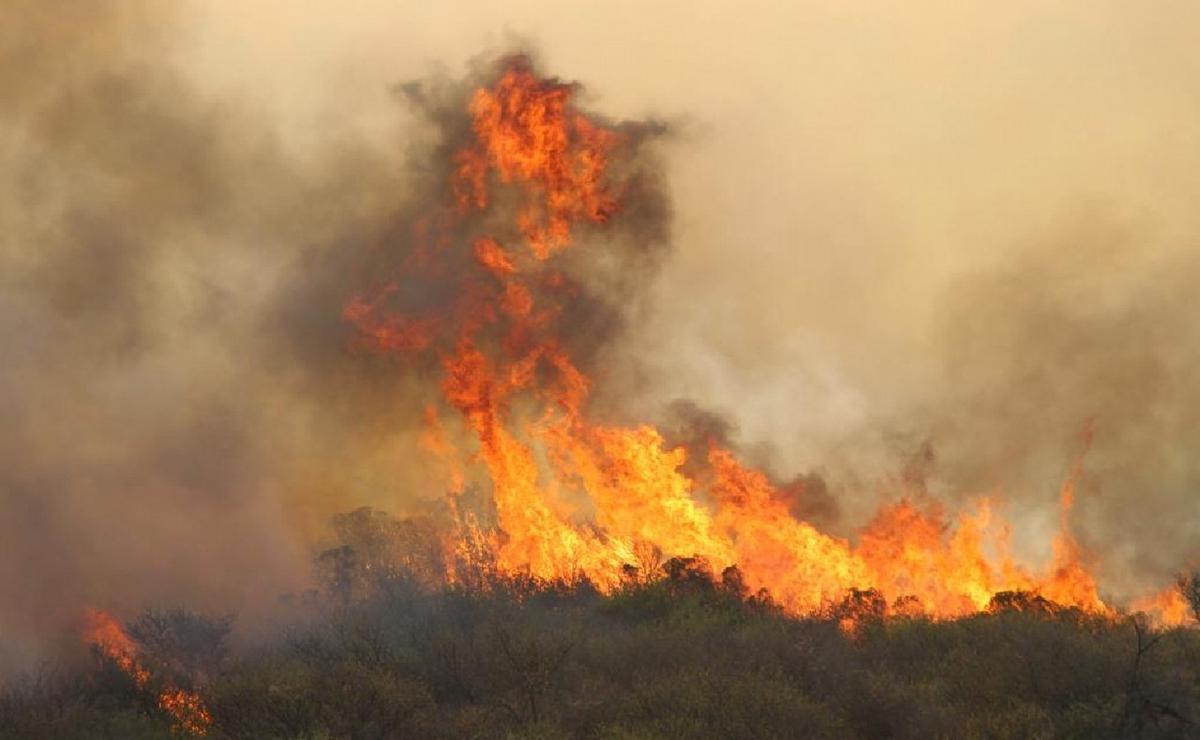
1189 587
187 645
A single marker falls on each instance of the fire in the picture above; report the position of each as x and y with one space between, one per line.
802 568
1166 609
106 634
186 708
575 499
527 134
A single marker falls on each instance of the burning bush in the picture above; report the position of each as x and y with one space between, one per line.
568 585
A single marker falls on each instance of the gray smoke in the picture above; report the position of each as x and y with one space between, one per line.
878 263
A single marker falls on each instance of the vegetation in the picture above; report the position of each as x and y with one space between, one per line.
686 654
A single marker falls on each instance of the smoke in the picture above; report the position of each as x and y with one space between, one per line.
929 233
185 404
169 407
1087 328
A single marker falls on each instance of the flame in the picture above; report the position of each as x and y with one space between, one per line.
575 499
527 134
186 708
802 568
104 632
1167 608
191 716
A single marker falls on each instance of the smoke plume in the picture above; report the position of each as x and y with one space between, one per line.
950 236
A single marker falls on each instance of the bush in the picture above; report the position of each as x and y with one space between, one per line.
686 654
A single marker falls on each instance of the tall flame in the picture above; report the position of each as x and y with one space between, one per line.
534 174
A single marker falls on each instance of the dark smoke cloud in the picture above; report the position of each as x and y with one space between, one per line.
688 424
184 404
154 446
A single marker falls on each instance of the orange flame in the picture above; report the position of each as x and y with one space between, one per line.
106 634
1165 609
527 134
523 400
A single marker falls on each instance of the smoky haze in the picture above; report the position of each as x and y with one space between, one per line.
921 232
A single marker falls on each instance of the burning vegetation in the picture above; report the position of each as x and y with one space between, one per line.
570 540
185 708
568 498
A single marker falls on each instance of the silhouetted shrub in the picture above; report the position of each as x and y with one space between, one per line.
1188 585
685 654
186 647
1022 601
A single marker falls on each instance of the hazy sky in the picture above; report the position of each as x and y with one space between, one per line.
841 164
864 193
971 224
